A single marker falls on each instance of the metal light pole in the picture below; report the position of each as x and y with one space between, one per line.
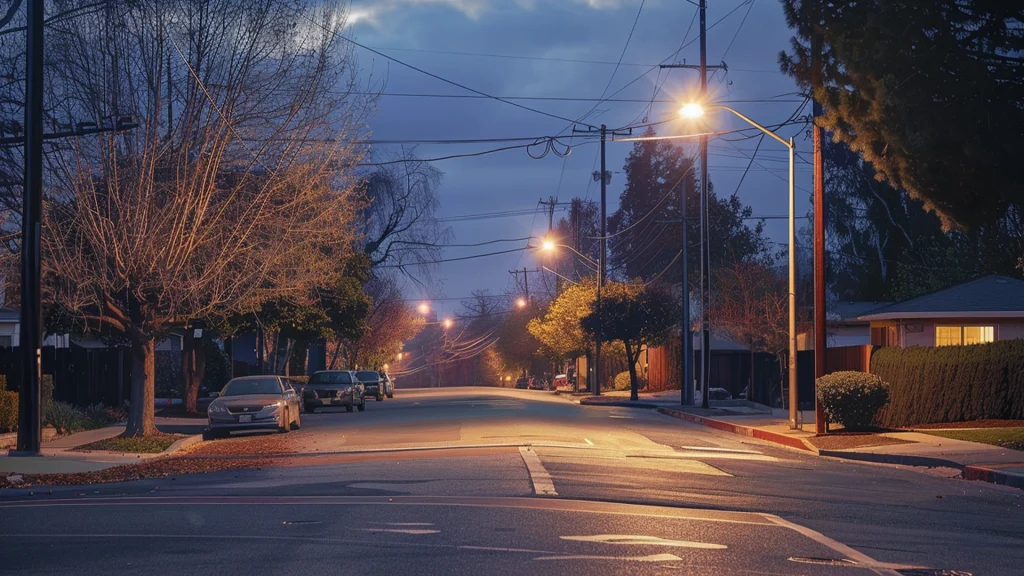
31 337
694 110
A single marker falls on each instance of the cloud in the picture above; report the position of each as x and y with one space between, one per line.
375 13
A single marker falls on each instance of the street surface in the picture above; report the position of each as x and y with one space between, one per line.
492 481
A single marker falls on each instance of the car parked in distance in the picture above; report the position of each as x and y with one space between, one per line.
372 381
253 403
389 384
719 394
523 383
334 388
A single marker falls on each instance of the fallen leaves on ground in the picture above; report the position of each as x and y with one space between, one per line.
152 469
153 444
248 445
843 441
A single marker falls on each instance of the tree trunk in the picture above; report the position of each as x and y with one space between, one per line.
193 369
140 413
334 356
634 384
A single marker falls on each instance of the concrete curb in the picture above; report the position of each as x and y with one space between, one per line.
593 401
181 445
993 476
898 459
782 439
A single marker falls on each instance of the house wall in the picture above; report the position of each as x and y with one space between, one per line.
922 332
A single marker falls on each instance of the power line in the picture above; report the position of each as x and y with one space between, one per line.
459 258
552 59
336 32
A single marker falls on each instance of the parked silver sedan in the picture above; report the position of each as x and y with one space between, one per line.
253 403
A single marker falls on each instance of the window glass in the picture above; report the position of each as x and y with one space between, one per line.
978 334
948 336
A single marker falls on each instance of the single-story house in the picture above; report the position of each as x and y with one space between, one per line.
843 325
988 309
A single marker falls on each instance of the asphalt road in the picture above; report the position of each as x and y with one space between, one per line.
480 481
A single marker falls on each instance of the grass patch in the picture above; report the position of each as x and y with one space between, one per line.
1012 438
845 440
147 445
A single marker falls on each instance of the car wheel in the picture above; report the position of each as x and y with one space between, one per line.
210 434
362 406
391 394
348 408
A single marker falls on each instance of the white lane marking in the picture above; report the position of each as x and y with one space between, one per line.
716 449
413 531
860 558
404 523
587 440
542 485
622 417
652 558
647 540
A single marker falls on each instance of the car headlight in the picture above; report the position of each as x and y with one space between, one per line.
272 407
217 409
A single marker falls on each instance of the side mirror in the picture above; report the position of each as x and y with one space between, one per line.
214 394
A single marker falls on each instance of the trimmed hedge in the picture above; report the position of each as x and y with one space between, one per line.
951 383
8 411
622 381
852 398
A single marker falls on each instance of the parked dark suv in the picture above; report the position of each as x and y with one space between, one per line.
333 388
372 381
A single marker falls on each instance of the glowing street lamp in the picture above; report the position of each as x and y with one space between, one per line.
695 110
521 303
447 323
548 245
691 110
424 308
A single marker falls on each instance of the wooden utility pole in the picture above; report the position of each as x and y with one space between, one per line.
820 329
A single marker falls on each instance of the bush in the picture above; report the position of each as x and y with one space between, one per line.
852 398
65 417
8 411
99 415
952 383
622 381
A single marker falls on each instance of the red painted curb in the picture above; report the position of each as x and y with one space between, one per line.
993 476
738 429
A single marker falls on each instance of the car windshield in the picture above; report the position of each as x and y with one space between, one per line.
330 378
246 386
367 376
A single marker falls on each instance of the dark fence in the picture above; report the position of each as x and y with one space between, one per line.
732 370
81 376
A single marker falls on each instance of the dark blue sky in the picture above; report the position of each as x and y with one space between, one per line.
595 30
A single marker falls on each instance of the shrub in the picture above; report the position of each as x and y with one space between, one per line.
46 385
99 415
622 381
852 398
65 417
8 411
952 383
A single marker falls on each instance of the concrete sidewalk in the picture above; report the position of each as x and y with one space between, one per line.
58 458
975 461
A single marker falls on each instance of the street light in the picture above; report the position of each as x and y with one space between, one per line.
424 308
695 110
550 245
521 303
447 323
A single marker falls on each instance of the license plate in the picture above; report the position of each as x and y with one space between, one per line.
245 418
325 401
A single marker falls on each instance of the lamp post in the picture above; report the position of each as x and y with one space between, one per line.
550 245
695 110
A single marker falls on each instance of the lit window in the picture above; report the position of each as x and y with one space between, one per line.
963 335
948 336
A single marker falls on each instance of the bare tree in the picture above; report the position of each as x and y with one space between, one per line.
235 189
400 226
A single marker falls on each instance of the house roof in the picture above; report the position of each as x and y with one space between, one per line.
852 311
10 315
988 297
